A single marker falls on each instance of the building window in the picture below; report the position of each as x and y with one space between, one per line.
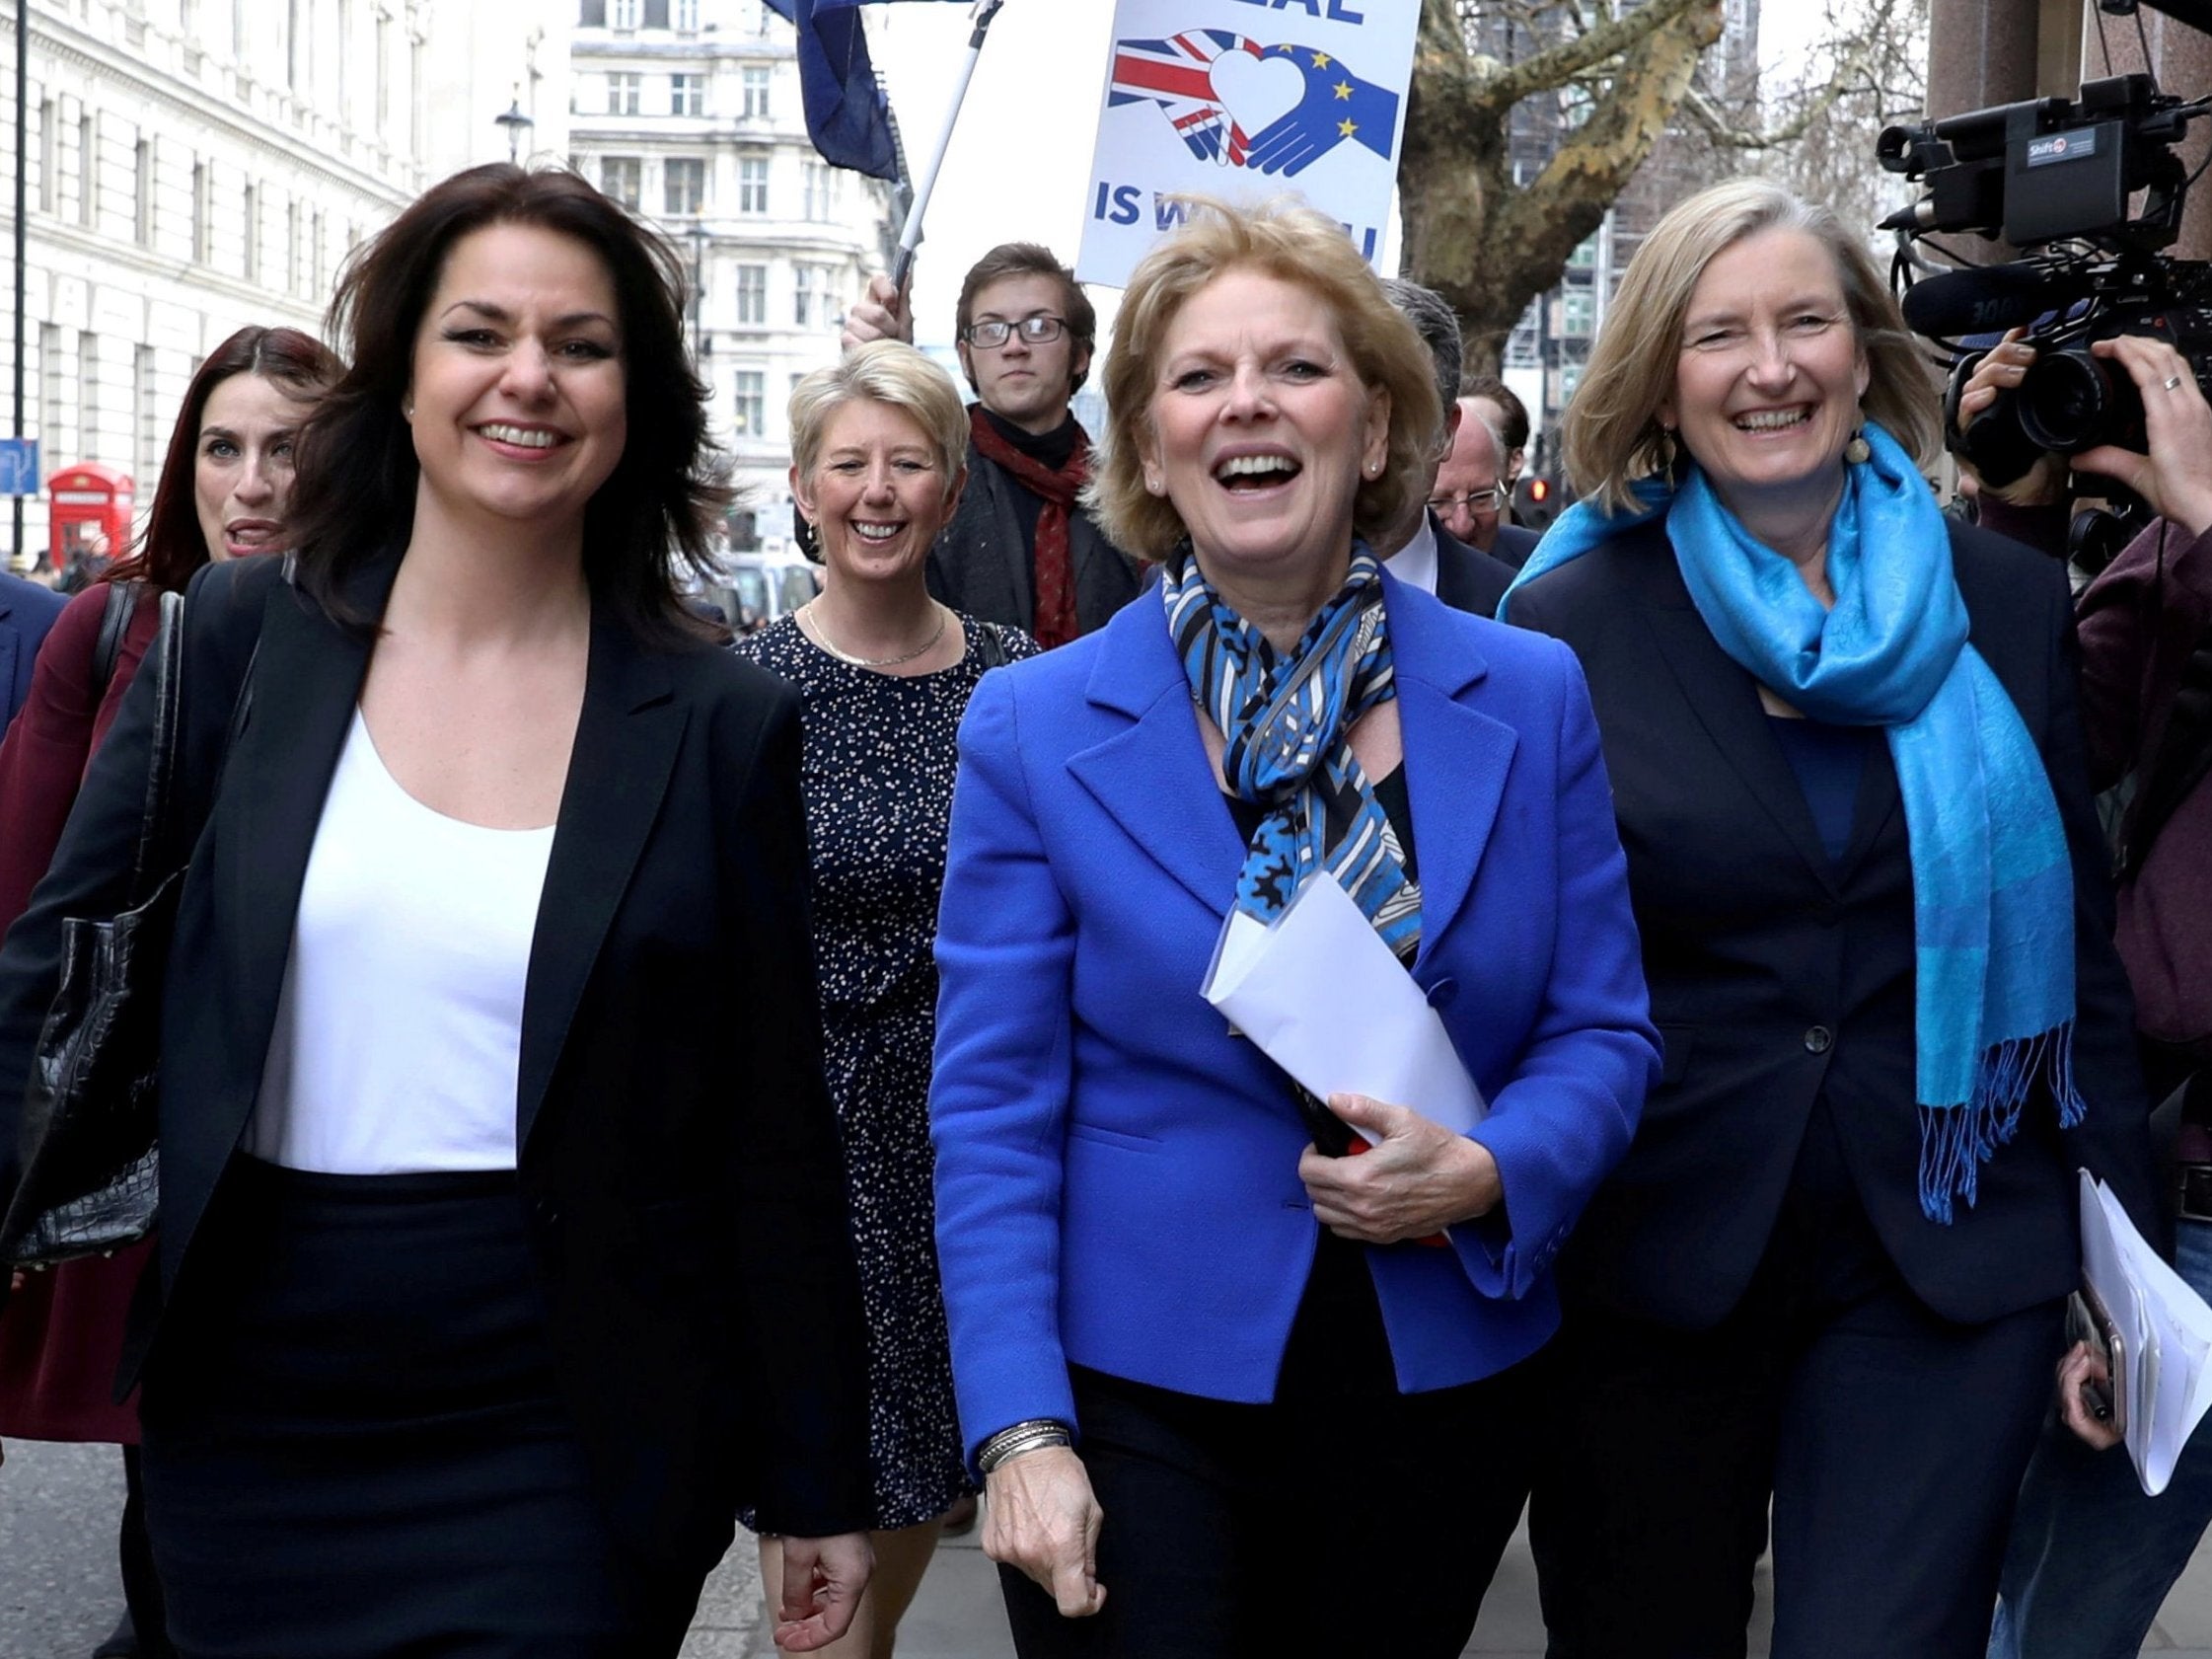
88 395
252 234
802 296
51 379
818 185
752 403
1576 309
687 17
752 294
618 178
624 93
622 13
143 191
684 184
752 184
592 14
145 419
1570 377
200 207
383 73
294 265
49 156
754 78
687 95
1585 256
88 171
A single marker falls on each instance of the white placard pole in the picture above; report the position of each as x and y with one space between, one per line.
910 237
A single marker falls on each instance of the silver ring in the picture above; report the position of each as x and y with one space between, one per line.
2171 381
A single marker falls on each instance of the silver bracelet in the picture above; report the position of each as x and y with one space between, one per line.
1031 1435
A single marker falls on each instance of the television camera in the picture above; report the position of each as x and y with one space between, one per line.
2055 177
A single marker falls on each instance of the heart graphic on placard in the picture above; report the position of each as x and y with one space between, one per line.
1257 92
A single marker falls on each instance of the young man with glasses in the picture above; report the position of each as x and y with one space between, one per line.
1020 550
1469 492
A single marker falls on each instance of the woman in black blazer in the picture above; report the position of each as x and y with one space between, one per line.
1849 777
504 1250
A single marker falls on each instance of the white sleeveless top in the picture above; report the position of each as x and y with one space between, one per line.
399 1029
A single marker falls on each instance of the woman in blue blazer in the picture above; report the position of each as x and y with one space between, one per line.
1167 1306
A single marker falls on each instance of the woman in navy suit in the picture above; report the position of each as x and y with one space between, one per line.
1168 1308
1841 729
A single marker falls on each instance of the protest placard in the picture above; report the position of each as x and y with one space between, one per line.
1246 100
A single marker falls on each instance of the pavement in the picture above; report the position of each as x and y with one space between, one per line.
958 1614
59 1595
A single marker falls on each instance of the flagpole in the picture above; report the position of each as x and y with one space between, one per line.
910 237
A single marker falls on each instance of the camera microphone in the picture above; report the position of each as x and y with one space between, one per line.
1989 299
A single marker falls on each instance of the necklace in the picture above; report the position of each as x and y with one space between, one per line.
829 644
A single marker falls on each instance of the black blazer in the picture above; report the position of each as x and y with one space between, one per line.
1468 578
981 562
1778 976
679 1169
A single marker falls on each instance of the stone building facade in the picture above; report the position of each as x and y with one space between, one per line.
688 112
193 166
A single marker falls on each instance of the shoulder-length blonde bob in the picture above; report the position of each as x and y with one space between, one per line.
883 371
1611 429
1293 244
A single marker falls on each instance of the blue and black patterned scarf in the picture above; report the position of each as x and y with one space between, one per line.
1286 721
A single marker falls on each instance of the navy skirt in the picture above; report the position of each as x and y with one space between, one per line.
354 1445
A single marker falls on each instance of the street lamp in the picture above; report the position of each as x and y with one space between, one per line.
516 123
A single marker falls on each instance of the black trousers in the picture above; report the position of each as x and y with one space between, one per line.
1891 1442
1305 1526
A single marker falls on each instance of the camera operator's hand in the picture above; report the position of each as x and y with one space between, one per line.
2001 370
2176 477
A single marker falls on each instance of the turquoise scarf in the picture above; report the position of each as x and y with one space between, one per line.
1993 887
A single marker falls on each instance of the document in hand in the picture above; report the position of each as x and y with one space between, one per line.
2164 1326
1325 1000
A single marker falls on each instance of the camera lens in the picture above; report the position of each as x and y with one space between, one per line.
2067 402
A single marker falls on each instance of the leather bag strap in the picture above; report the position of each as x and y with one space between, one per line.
114 625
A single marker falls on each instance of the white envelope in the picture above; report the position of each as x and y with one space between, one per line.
2165 1326
1325 1000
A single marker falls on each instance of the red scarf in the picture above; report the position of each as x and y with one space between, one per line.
1056 487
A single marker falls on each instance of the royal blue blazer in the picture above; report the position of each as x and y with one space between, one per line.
1116 1175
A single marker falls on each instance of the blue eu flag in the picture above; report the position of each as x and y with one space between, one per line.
845 113
1338 106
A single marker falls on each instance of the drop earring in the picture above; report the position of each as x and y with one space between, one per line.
1857 452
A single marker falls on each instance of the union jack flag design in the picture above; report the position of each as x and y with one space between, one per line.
1177 74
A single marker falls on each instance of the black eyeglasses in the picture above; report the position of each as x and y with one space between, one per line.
1475 500
1035 331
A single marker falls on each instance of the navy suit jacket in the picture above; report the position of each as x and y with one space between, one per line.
27 611
1116 1174
1781 977
1468 578
1514 545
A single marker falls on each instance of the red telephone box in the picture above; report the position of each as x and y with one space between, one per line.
87 513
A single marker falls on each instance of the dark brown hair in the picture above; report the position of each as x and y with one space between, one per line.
646 528
1030 258
173 546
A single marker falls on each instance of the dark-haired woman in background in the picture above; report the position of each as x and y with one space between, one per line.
224 489
487 1294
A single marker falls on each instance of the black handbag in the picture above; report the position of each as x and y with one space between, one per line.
91 1168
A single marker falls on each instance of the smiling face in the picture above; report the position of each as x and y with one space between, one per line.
878 494
517 387
1768 381
1028 385
241 466
1260 428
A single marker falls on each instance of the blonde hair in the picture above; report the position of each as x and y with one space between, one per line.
1294 244
1611 430
883 371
